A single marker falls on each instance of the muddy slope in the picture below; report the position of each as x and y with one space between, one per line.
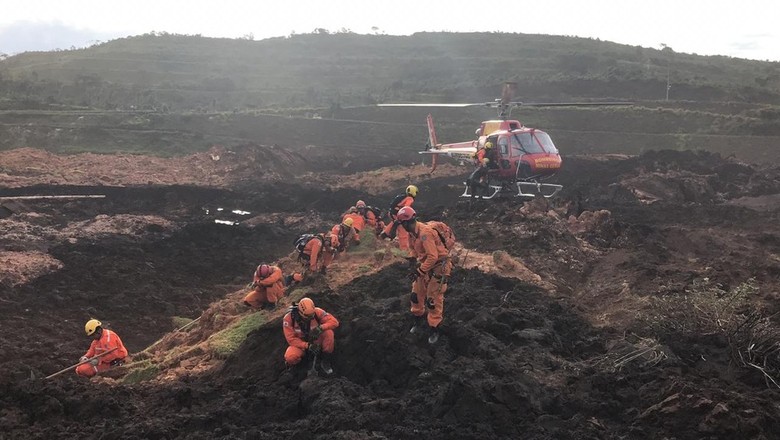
514 361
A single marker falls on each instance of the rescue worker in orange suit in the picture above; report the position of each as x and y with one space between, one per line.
103 340
485 160
429 275
371 218
309 329
398 203
317 254
358 223
340 235
268 285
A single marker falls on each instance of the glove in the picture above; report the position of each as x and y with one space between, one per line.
83 358
315 333
416 274
314 349
94 362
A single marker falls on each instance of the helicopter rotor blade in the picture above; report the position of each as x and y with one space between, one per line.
487 104
569 104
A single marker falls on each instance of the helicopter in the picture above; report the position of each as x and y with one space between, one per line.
524 157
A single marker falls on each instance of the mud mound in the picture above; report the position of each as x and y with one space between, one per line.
219 167
668 176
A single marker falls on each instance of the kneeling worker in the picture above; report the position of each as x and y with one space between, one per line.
103 341
268 285
309 329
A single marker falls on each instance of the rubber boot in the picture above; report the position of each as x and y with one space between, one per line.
434 335
325 364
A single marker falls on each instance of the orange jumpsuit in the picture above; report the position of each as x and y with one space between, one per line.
358 223
297 335
269 289
108 340
428 289
340 236
403 236
318 254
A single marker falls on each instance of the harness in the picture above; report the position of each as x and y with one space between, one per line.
298 320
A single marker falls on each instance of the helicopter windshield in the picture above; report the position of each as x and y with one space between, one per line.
531 143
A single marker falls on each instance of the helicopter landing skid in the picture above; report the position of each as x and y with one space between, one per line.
492 189
533 189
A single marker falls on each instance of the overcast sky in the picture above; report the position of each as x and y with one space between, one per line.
745 29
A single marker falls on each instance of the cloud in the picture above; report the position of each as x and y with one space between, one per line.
23 36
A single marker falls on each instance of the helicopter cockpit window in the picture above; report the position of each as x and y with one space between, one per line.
546 142
503 146
524 143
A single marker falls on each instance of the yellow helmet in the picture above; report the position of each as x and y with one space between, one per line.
488 145
306 307
348 221
411 190
91 326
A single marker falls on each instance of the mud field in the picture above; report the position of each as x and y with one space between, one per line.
641 303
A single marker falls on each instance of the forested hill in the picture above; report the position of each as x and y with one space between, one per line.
166 72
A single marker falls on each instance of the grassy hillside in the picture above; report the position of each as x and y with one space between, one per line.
173 72
172 94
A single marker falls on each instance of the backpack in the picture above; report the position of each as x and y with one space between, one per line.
300 242
394 204
446 235
377 212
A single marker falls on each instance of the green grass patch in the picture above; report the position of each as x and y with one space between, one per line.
225 342
364 268
141 371
398 252
180 321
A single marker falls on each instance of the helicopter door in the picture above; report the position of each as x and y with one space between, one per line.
503 153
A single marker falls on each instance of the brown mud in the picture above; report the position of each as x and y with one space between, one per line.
581 357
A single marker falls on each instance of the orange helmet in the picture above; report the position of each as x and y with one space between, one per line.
306 307
405 214
263 270
360 204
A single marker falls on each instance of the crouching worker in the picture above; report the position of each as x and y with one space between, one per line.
103 341
309 329
268 285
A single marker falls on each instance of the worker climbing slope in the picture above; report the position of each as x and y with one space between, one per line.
392 230
429 275
315 252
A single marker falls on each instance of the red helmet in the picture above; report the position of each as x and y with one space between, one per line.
360 204
405 214
263 270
